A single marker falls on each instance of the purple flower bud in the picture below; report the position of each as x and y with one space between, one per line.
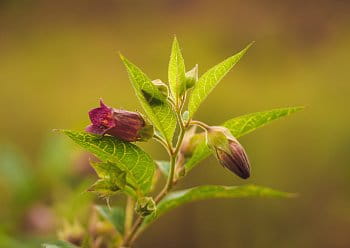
236 160
126 125
229 151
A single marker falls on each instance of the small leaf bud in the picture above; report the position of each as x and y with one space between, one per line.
162 87
192 77
145 206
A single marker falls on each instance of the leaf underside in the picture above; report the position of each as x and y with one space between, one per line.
240 126
137 164
177 198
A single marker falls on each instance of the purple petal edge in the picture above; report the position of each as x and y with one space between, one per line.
94 129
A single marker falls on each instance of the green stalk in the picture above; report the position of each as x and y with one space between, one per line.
129 214
173 152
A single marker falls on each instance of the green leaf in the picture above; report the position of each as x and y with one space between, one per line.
176 71
240 126
210 79
104 188
115 215
59 244
137 164
158 110
245 124
110 171
178 198
164 167
106 169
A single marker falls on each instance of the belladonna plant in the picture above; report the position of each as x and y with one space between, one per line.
126 169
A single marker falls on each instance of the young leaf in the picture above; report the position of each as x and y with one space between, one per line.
178 198
106 169
115 215
210 79
59 244
137 164
176 70
104 188
240 126
158 110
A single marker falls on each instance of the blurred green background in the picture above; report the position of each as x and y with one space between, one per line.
58 57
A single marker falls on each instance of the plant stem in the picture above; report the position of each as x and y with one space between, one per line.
173 152
129 214
200 124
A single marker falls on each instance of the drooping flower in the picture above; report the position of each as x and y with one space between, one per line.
229 152
126 125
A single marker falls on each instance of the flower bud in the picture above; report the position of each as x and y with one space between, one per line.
192 77
229 152
145 206
162 87
126 125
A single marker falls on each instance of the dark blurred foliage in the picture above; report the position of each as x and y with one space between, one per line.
58 57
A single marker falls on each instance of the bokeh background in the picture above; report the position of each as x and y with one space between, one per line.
58 57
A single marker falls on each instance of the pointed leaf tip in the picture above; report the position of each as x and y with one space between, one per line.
240 126
176 70
177 198
158 110
208 81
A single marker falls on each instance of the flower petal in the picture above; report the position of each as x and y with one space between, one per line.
95 129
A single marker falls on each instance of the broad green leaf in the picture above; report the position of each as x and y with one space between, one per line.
176 70
164 167
59 244
178 198
210 79
158 110
240 126
115 215
137 164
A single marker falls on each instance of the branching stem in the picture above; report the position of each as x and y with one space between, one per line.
200 124
173 153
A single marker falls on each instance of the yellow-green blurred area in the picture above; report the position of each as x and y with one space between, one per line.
57 58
